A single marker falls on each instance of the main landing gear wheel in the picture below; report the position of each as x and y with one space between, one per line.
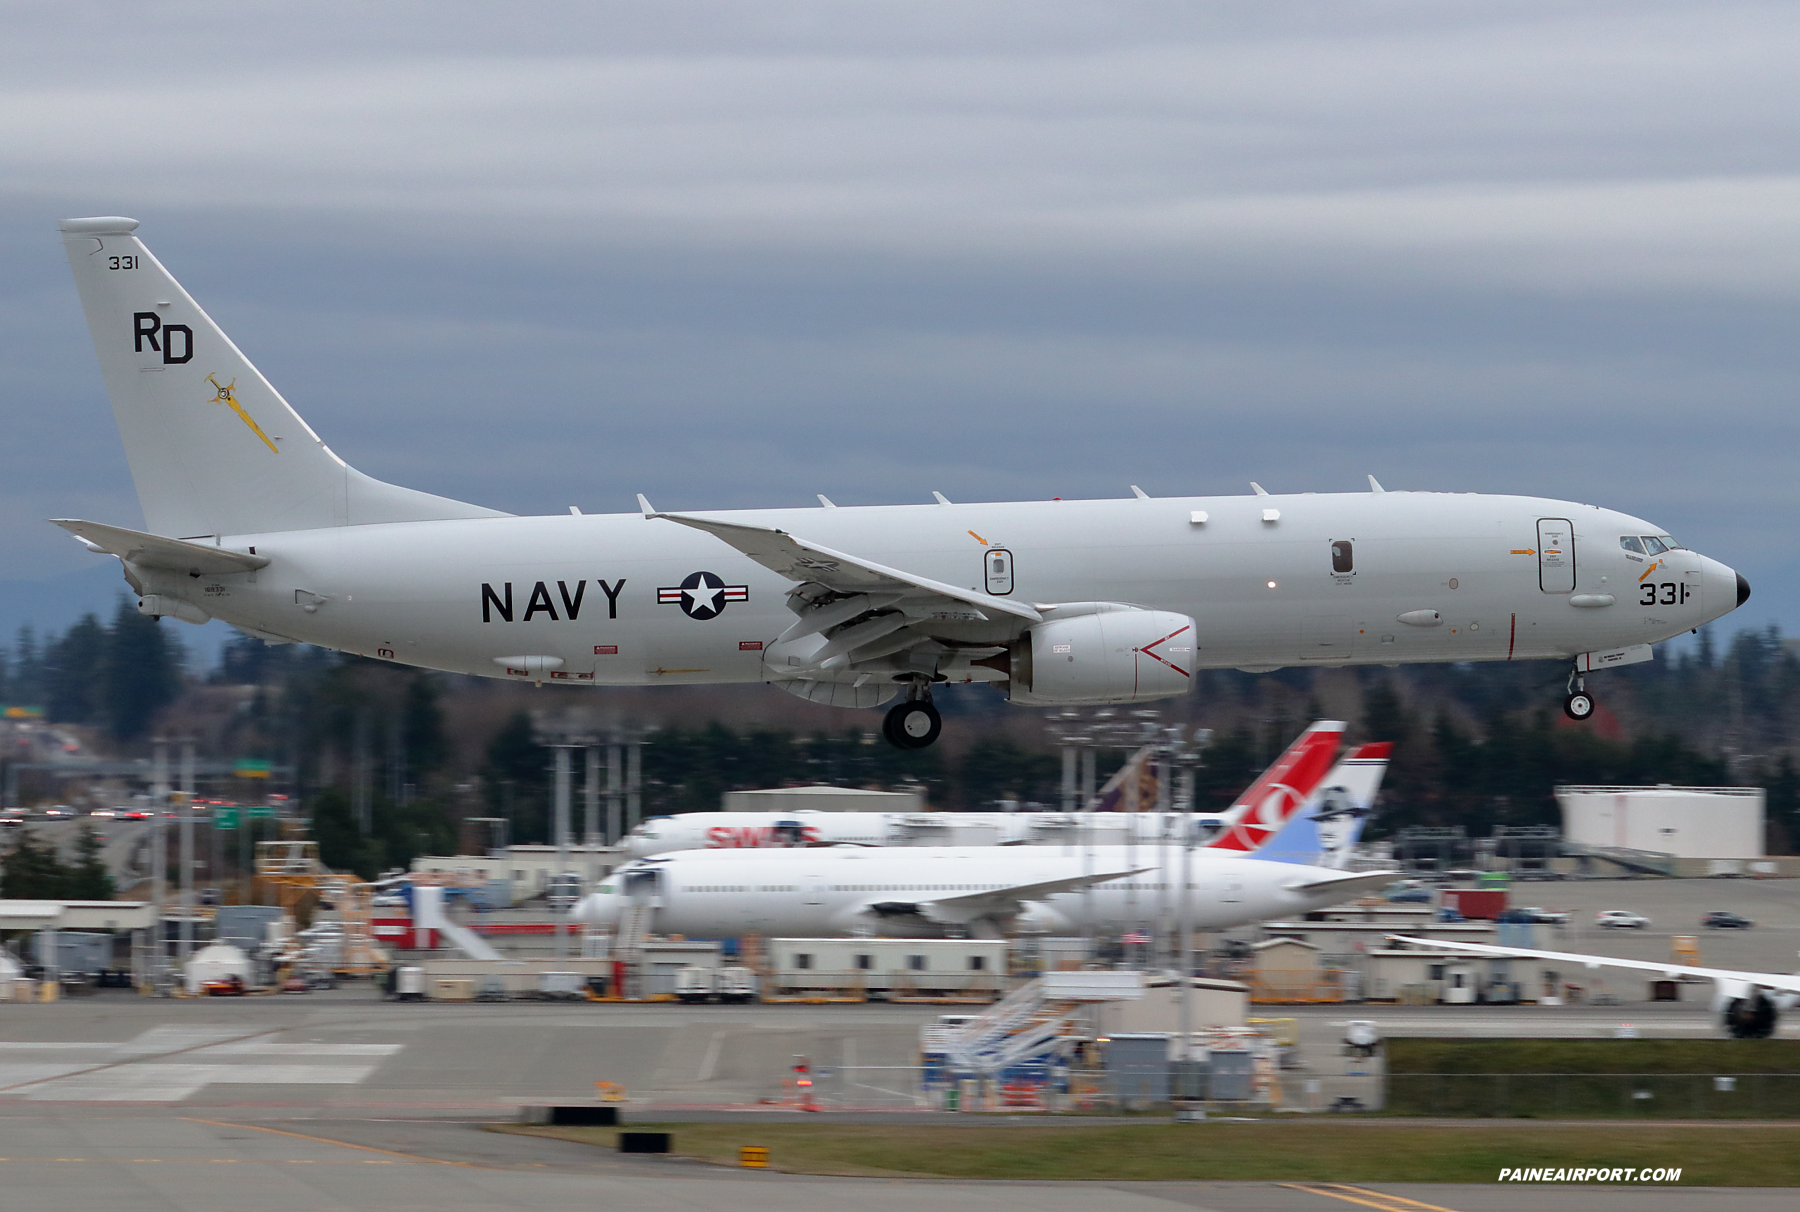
912 725
1579 704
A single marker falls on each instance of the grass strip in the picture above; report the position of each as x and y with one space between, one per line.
1283 1150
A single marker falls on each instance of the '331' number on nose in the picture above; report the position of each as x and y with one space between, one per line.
1667 593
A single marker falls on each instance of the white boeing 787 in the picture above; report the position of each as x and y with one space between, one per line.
252 519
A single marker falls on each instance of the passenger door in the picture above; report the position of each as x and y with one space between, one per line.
1556 555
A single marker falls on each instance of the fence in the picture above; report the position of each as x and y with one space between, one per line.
1595 1095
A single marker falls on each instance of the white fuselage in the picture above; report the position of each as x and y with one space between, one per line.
929 891
756 830
474 596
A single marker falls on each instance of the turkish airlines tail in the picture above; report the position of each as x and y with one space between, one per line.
1272 799
214 449
1324 833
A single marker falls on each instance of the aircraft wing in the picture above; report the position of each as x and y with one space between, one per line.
800 560
1767 980
155 551
1350 883
997 902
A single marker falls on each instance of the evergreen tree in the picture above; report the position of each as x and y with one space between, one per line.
72 670
88 879
516 783
422 728
140 675
30 870
342 847
27 672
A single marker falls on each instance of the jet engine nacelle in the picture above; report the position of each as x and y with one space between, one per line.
1746 1011
1110 653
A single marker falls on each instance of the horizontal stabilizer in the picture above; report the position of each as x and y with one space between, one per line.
154 551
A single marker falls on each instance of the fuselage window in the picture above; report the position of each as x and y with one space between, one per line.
1343 560
1631 542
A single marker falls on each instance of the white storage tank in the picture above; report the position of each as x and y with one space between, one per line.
215 962
1687 822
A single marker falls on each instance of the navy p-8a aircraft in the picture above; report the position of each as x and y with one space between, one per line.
252 519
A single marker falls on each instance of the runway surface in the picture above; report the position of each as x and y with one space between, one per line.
341 1101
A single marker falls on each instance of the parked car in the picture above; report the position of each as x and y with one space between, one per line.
1412 896
1724 919
1621 919
1546 917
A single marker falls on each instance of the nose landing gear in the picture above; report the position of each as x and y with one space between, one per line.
914 723
1578 704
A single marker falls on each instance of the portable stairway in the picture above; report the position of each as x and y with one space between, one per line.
1028 1023
628 946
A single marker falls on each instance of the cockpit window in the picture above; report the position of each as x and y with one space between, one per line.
1654 545
1631 542
1671 544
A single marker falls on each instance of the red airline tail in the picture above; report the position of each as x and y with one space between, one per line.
1282 789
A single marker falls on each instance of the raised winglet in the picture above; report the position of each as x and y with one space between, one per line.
1260 490
649 509
1375 485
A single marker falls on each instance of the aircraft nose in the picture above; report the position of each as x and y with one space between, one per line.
1743 589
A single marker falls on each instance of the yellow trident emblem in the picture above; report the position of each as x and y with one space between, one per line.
229 398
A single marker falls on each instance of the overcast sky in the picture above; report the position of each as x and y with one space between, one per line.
536 255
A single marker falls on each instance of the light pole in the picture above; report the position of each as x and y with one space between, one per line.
159 856
557 884
186 947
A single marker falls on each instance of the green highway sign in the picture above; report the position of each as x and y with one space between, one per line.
225 818
261 812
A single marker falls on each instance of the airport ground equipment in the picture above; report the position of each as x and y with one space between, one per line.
294 869
694 984
1032 1022
428 914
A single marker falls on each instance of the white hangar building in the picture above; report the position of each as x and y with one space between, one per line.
1687 822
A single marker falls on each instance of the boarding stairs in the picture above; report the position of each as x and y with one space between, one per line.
1028 1023
635 923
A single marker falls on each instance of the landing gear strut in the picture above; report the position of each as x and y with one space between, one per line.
1578 704
914 723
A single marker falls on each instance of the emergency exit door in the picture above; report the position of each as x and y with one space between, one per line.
1556 555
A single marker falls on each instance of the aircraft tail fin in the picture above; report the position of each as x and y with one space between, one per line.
214 449
1325 831
1273 799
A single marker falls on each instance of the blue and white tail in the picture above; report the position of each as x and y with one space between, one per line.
214 449
1327 828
